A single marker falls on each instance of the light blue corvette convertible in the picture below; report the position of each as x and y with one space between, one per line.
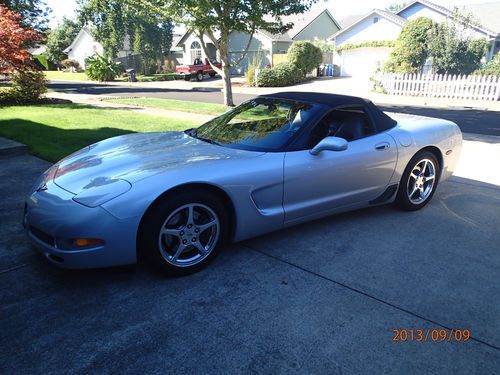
175 198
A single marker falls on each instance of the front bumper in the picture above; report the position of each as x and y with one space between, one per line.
52 214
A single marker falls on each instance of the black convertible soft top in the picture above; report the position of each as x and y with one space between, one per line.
382 121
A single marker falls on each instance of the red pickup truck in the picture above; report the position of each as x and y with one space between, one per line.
198 70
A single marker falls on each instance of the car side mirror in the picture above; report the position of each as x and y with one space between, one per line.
330 144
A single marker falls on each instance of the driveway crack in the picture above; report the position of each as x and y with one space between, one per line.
365 294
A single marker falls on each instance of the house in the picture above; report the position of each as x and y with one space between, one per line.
84 46
384 27
307 26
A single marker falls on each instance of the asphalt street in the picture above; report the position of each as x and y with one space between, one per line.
470 120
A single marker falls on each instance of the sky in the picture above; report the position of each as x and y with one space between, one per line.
339 8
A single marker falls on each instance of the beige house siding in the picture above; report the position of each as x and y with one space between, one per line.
322 27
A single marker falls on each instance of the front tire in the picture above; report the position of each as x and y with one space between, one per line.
184 232
187 77
199 76
419 182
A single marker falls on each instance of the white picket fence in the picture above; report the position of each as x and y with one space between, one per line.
443 86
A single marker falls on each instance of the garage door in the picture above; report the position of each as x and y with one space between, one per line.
362 62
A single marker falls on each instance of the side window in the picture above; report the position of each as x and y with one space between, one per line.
350 123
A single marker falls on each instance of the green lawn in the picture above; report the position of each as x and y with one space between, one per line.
65 76
175 105
54 131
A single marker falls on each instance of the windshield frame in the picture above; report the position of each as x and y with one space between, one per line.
317 110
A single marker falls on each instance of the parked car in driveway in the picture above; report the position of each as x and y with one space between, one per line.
174 198
198 70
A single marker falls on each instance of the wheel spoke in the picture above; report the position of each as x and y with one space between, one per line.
190 218
424 167
201 249
206 226
171 232
429 178
414 190
413 175
178 252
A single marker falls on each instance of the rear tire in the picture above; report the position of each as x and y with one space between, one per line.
212 75
419 182
183 233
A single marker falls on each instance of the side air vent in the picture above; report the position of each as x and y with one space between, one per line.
386 195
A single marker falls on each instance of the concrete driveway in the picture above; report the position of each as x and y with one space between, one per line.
319 298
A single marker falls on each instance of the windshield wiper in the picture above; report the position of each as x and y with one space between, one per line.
194 133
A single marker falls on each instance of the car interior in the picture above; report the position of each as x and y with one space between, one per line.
350 123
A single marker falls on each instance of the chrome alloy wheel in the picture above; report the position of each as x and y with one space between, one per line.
189 235
421 181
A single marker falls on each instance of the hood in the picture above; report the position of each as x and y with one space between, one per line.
129 158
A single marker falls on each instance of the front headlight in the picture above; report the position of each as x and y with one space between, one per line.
100 191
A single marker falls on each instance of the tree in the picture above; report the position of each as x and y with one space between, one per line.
216 20
149 33
34 13
60 38
14 39
411 48
151 41
452 49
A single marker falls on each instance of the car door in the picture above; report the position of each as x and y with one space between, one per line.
317 184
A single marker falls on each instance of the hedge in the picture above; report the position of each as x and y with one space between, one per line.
372 43
284 74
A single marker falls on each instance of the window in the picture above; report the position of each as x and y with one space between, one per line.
375 19
350 123
262 124
195 51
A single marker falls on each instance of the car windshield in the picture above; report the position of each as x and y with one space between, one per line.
261 124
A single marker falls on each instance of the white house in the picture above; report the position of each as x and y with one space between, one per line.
307 26
82 47
380 26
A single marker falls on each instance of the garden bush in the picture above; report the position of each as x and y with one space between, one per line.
101 68
284 74
491 68
71 65
27 86
305 56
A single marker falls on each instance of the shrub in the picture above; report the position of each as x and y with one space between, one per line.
101 68
305 56
250 75
41 61
27 87
252 67
70 64
491 68
410 51
284 74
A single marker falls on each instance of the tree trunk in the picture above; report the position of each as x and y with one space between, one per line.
228 90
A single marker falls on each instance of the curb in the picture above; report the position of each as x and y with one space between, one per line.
12 148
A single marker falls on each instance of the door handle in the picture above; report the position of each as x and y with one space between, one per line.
382 146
